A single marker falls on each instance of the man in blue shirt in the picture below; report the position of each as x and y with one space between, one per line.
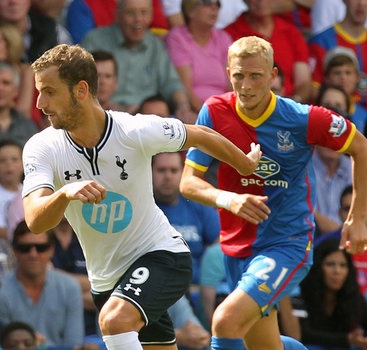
198 223
47 299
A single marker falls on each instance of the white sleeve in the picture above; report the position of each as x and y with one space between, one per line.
37 164
325 13
171 7
156 134
229 11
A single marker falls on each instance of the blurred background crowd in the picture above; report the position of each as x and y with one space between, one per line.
166 57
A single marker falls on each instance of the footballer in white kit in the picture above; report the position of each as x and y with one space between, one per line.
118 234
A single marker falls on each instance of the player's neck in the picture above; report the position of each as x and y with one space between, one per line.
89 134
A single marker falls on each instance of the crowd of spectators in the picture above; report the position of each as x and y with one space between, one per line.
167 57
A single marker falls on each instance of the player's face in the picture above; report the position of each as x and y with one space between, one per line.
56 101
167 170
335 269
251 79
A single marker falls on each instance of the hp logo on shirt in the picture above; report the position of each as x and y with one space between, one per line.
111 215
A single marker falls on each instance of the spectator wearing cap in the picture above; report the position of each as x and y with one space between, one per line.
341 69
351 33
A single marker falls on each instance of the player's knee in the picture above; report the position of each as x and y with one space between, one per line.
119 318
222 325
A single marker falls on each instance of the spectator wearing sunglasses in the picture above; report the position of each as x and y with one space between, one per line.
47 299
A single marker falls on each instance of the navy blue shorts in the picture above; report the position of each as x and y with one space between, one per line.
153 283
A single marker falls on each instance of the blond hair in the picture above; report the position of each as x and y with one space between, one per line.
14 42
250 46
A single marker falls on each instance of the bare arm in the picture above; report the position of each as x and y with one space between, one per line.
192 335
213 143
324 223
44 209
302 82
250 207
208 294
193 185
183 109
354 228
289 323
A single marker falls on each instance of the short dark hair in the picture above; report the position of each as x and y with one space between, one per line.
22 228
11 142
13 326
102 55
323 89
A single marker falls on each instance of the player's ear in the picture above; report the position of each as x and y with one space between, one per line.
81 89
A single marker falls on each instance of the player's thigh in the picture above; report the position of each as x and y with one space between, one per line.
155 282
160 347
119 315
255 338
271 275
152 283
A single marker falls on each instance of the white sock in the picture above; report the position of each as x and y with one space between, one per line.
122 341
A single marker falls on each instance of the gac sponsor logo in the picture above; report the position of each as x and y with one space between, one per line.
258 182
267 168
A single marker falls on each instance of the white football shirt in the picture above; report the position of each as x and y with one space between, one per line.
127 224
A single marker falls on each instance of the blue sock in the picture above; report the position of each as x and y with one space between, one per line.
227 344
292 344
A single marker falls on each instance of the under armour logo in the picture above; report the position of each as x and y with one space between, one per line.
136 290
124 175
68 175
